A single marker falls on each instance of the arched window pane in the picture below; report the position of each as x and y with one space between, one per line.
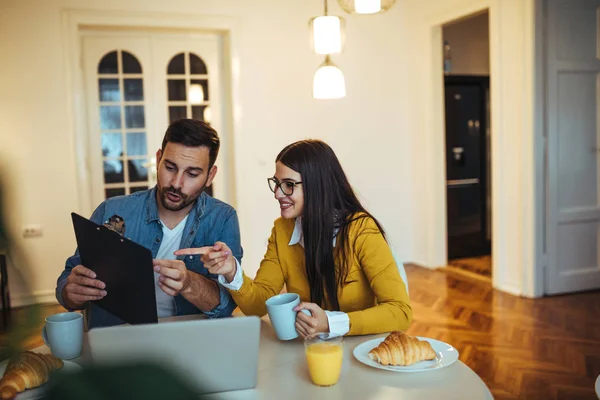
113 171
176 65
177 90
114 192
130 64
199 113
108 64
177 112
112 145
109 90
204 84
134 117
137 171
110 117
136 144
197 66
134 89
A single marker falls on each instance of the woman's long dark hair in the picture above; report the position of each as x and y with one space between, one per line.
329 203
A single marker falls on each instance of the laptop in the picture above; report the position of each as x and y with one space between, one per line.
212 355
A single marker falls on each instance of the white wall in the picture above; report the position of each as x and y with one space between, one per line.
469 41
379 131
367 129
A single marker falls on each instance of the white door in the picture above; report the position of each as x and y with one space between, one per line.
117 71
188 81
137 83
573 71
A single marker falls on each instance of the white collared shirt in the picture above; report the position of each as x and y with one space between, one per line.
298 236
339 322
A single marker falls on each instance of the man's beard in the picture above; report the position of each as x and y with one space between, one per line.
185 200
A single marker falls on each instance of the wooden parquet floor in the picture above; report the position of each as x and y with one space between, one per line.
478 265
545 348
29 322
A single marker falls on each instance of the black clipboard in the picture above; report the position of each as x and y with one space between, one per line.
123 265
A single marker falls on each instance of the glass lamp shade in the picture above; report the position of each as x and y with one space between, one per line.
196 94
366 6
327 34
329 82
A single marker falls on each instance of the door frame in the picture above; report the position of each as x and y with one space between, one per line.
73 21
516 210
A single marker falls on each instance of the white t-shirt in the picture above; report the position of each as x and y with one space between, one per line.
165 304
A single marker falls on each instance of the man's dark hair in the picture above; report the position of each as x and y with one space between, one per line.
193 133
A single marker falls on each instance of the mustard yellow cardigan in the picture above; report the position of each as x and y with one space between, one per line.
374 295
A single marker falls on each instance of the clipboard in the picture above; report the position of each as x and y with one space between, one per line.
123 265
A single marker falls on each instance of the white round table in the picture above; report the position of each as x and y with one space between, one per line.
282 373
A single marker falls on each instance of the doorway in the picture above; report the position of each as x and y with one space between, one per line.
467 145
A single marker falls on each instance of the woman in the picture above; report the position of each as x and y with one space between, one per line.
326 247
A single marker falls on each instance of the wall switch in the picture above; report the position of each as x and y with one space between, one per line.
32 231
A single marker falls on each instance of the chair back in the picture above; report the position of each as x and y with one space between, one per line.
401 270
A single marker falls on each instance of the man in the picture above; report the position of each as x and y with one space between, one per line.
174 214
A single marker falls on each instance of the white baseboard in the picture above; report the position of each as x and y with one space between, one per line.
510 288
39 297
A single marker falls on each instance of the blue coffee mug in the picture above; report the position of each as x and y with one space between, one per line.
282 314
63 333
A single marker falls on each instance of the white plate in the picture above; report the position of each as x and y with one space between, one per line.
598 386
37 392
445 355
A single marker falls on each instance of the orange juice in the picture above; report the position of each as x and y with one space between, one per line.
324 362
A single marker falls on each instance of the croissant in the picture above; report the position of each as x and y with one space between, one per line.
27 370
399 348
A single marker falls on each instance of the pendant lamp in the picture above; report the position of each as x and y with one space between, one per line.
366 6
327 33
329 82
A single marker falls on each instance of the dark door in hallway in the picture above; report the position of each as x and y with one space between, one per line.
467 160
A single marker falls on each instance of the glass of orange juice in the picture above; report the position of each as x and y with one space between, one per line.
324 355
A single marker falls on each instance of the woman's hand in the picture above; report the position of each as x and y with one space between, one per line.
308 324
217 259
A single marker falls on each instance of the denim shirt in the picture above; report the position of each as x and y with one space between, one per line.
209 221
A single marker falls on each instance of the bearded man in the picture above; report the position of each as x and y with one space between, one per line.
175 214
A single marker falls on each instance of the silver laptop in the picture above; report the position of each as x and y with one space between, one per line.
212 355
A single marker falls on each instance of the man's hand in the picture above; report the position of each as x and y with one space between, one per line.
176 279
174 276
82 286
217 259
307 325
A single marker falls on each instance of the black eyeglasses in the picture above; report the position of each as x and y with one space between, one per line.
287 187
